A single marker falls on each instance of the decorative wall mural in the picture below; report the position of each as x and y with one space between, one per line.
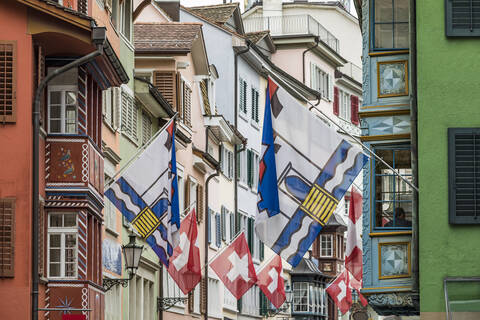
394 260
112 256
65 163
392 78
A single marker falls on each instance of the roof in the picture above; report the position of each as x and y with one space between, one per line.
220 13
257 36
336 220
167 36
307 266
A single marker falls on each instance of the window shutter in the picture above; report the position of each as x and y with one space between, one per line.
262 251
313 82
223 222
218 231
39 76
166 83
203 295
187 193
464 172
232 225
253 104
354 109
187 105
230 164
336 101
206 100
7 237
257 119
191 301
250 234
239 165
242 100
134 112
249 168
330 88
462 18
179 95
209 221
117 105
222 158
199 203
8 81
41 239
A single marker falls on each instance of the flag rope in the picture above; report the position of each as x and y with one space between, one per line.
269 71
113 179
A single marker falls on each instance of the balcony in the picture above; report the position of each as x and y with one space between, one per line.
73 162
292 25
352 71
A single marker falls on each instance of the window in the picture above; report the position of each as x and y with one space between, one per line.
214 299
186 101
309 297
7 237
393 196
170 288
226 164
344 111
321 81
111 101
242 101
255 111
218 231
62 109
464 171
126 18
340 249
242 167
461 18
129 116
326 246
390 24
141 298
113 308
225 224
8 81
166 83
252 169
62 245
146 128
181 189
300 296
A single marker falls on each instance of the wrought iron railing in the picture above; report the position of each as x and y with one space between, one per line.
292 25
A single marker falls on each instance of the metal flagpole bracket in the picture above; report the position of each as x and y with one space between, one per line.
166 303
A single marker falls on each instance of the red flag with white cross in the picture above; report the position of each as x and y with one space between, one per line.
339 291
184 264
235 268
271 282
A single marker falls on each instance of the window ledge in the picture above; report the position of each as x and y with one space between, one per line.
385 233
243 115
255 125
130 138
243 185
127 42
111 231
109 126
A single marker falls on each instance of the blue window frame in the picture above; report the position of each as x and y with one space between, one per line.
390 29
392 196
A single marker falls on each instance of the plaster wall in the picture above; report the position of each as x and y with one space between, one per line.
447 97
16 163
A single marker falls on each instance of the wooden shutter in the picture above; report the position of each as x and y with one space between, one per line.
191 301
187 193
250 235
206 100
7 237
117 105
8 81
218 231
203 295
187 105
232 225
464 174
250 168
200 206
253 104
354 109
241 99
462 18
257 119
335 101
223 224
39 76
209 226
262 251
166 83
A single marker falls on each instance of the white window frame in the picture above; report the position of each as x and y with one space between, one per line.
62 231
344 105
181 189
321 81
241 112
131 112
326 255
63 89
256 163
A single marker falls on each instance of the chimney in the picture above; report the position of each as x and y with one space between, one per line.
171 7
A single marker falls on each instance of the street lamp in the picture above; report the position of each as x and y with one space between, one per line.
132 253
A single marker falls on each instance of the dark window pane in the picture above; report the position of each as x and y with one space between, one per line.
383 11
383 36
401 35
401 10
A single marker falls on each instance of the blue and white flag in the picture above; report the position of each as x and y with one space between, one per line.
147 194
305 169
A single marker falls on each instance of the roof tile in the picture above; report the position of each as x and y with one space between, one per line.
169 36
218 13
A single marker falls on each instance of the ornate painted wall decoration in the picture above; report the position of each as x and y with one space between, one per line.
65 163
112 256
392 78
394 260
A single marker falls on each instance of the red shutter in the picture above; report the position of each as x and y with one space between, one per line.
7 237
354 109
335 101
8 81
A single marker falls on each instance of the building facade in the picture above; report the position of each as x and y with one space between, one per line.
390 277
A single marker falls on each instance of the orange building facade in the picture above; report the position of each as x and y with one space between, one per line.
38 38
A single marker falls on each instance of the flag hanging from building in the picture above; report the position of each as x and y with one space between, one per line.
235 268
353 252
147 194
305 170
184 264
270 281
339 291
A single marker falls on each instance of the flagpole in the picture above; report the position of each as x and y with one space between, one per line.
350 135
139 152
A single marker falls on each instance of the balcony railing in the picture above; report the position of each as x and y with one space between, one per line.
353 71
292 25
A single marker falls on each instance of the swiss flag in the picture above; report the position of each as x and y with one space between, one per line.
339 291
184 264
235 268
271 282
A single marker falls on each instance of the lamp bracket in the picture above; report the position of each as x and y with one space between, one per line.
109 283
166 303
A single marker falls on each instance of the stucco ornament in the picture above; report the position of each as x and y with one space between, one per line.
391 299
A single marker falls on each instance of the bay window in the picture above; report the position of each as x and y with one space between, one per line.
62 245
62 109
390 24
326 246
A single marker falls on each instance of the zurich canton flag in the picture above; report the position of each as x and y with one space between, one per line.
305 170
147 194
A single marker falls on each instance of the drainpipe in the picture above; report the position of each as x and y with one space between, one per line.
317 40
216 174
98 38
414 143
236 151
